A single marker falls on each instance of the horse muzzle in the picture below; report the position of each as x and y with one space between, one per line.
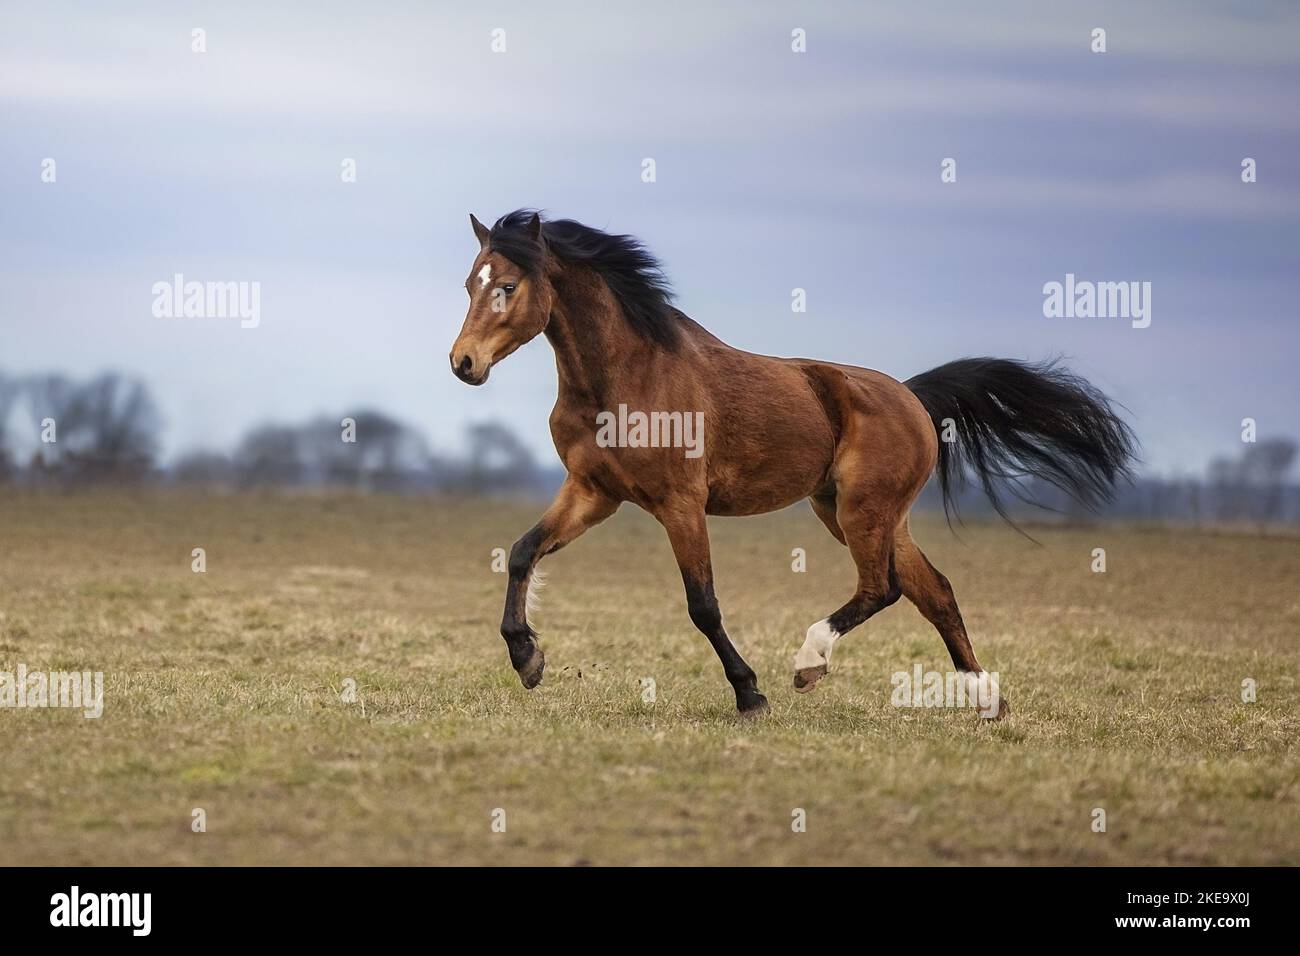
468 371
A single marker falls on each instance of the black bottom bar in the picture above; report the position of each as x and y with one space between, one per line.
333 906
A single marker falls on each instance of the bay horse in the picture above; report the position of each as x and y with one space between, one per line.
856 443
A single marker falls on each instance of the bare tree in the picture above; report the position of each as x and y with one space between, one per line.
115 429
1255 482
1265 465
269 455
498 460
375 451
104 429
390 451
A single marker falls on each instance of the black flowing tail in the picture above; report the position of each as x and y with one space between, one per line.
1004 421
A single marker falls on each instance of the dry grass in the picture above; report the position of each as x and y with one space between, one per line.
222 692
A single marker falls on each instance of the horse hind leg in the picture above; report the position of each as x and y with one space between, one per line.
933 596
870 537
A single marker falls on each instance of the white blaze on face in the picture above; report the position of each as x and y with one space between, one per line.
817 646
485 275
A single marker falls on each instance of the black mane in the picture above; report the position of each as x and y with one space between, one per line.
633 275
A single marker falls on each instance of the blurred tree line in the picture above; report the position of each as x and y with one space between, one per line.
58 432
62 433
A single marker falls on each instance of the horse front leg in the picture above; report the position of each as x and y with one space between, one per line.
689 534
576 508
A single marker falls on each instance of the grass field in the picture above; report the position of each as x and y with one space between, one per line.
223 692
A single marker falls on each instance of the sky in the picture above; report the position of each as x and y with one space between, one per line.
774 170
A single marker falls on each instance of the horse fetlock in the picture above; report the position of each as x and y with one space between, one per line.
518 636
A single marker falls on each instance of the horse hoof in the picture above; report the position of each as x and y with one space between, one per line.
806 678
530 675
1004 708
755 706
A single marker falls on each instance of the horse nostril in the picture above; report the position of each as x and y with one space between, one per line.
466 364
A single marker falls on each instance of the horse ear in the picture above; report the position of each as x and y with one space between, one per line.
535 227
480 230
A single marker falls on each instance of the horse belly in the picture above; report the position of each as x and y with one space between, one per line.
769 467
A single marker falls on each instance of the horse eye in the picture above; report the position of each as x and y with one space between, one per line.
509 288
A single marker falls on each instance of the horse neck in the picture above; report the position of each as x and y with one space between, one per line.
596 352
